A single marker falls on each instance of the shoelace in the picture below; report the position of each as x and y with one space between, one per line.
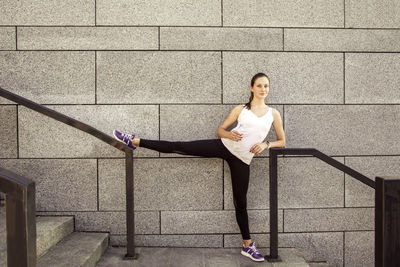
254 250
127 138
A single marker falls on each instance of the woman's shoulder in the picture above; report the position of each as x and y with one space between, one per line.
274 110
275 113
237 110
239 107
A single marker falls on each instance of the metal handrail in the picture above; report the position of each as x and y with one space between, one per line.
63 118
273 186
20 218
130 225
333 162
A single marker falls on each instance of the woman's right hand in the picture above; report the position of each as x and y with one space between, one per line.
235 136
232 118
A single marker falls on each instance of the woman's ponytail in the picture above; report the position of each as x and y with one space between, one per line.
248 104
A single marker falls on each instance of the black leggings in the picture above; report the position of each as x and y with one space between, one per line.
240 171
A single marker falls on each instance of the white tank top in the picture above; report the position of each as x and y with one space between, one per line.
254 129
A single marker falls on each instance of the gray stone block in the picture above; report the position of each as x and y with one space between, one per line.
191 122
213 222
341 129
302 183
8 132
372 14
200 241
159 77
309 183
163 184
61 185
56 139
295 77
359 248
159 12
87 38
314 246
115 222
50 77
358 194
282 13
319 220
342 40
7 38
198 38
147 222
383 88
47 12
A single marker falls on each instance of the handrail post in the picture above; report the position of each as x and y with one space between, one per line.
273 203
387 221
20 218
130 215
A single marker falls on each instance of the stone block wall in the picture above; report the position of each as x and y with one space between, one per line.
173 70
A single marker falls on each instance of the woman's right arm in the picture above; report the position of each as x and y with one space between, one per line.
232 117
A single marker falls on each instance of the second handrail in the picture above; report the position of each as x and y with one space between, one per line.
273 186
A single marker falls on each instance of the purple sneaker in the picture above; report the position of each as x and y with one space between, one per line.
125 138
252 252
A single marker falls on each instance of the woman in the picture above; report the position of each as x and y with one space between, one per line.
237 147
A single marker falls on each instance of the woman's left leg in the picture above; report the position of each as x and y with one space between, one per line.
240 173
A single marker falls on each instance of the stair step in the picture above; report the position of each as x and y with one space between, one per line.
318 264
50 231
77 249
175 256
290 257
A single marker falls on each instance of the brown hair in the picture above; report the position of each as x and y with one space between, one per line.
253 80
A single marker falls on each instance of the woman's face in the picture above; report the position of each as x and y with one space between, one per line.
260 88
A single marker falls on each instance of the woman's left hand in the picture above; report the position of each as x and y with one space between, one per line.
258 148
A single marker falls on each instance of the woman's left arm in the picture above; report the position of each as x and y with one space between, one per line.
280 135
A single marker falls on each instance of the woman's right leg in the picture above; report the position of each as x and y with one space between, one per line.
203 148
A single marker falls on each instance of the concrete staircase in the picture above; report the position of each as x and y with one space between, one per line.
58 244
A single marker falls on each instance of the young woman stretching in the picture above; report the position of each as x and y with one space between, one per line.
237 147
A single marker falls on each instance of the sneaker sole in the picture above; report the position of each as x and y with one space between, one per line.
251 257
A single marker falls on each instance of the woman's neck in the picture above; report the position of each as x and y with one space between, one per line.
257 103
